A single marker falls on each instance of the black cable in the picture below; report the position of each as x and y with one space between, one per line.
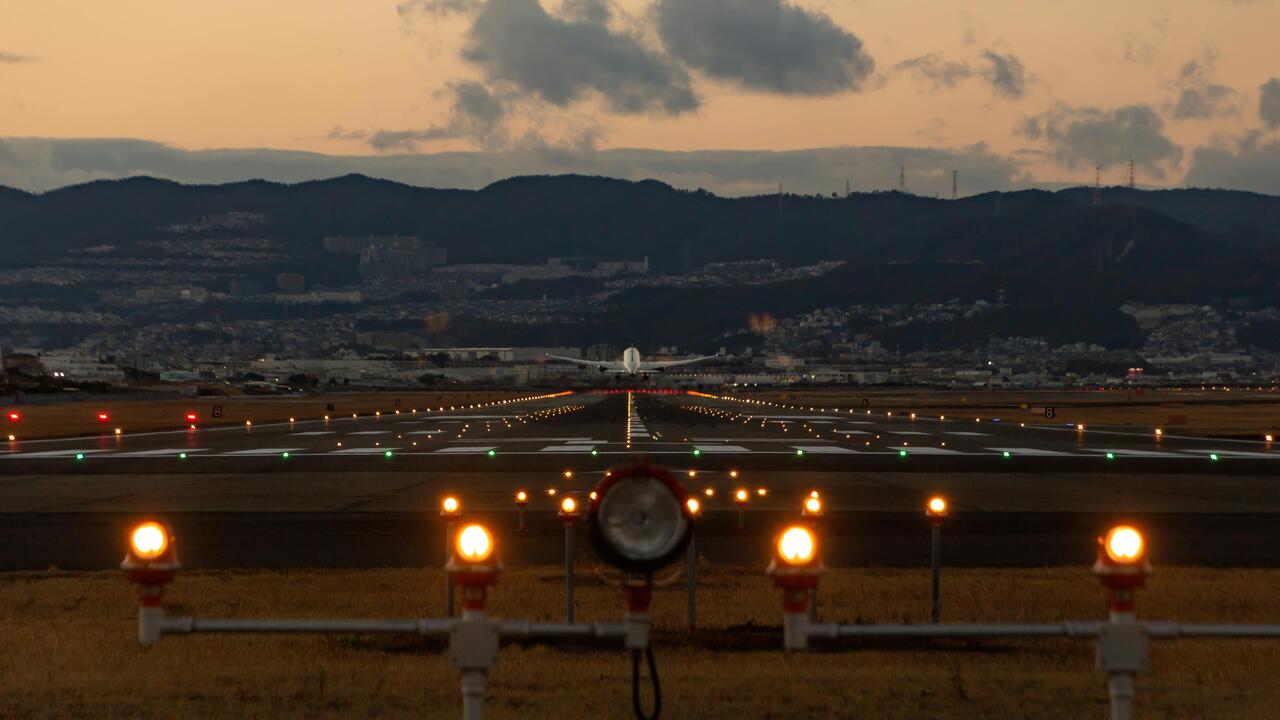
635 685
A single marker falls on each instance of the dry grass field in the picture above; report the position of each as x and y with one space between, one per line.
1236 413
81 418
70 649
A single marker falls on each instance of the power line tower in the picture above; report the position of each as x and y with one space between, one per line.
902 178
955 183
1097 185
1133 175
848 191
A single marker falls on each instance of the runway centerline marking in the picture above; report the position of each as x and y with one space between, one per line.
313 432
567 448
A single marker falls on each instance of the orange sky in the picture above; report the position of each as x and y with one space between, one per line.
201 74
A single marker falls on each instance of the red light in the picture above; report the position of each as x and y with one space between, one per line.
103 417
192 417
15 416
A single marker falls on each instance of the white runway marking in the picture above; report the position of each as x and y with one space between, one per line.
362 451
967 433
930 451
825 449
370 432
262 451
748 439
313 432
1233 453
906 432
1028 451
567 448
851 432
721 448
55 453
165 451
426 432
1132 453
468 449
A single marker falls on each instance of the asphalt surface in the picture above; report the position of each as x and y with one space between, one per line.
338 500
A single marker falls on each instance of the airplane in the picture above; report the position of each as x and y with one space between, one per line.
631 363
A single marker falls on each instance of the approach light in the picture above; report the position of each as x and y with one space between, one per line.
741 496
1124 545
474 544
733 474
522 498
762 491
192 417
640 521
797 546
568 474
709 492
104 416
569 506
936 507
812 506
695 507
450 506
148 541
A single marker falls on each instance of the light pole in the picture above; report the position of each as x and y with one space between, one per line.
450 510
569 513
935 510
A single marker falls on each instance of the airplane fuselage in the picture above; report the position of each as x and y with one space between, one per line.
631 360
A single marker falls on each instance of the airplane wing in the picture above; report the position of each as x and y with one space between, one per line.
664 364
602 365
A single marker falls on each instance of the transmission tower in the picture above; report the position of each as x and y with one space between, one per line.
902 178
1133 175
1097 185
955 183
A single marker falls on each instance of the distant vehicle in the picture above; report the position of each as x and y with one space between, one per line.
631 363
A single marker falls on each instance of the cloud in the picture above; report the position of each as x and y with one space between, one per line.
1141 49
939 73
564 59
340 133
439 8
477 114
1199 95
1269 104
39 164
1005 74
1088 137
13 59
1250 165
766 45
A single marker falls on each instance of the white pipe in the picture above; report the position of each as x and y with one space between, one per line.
473 686
151 622
1120 686
970 630
525 629
425 626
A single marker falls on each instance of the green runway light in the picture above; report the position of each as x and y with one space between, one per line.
182 456
595 452
696 452
388 454
1111 456
902 453
79 456
799 451
284 455
1007 454
491 453
1213 457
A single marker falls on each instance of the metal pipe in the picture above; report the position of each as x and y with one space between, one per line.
424 626
550 631
568 571
960 630
520 519
473 685
936 566
691 579
448 576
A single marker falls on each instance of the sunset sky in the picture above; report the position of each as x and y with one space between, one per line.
1012 94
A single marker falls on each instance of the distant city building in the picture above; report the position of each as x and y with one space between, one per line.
242 287
385 257
291 283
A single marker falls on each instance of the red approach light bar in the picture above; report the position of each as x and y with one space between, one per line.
104 416
15 416
192 417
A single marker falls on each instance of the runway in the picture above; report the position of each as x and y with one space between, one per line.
338 499
606 429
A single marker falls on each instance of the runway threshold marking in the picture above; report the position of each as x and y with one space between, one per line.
56 453
1232 453
932 451
1040 452
825 449
567 448
363 451
261 451
312 432
966 433
721 448
467 449
370 432
160 453
1129 452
